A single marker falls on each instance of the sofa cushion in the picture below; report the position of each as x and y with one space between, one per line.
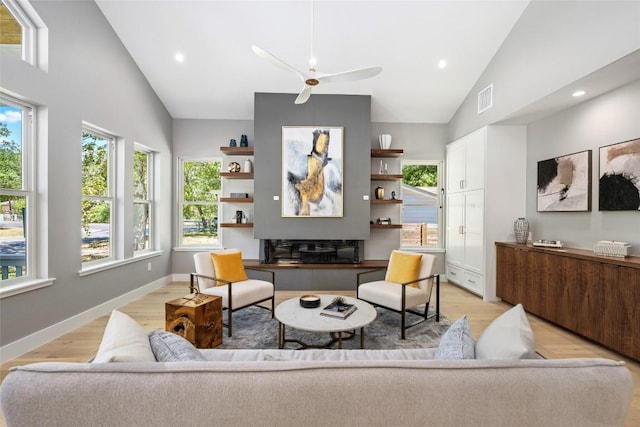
457 342
228 266
124 340
509 336
168 347
404 267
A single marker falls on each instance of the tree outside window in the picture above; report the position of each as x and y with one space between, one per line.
421 204
15 191
142 193
199 202
97 195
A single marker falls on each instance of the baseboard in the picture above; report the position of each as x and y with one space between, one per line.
43 336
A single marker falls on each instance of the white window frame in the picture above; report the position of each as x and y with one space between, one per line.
28 188
440 189
111 196
149 201
24 14
181 202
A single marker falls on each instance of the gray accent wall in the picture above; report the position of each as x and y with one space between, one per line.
90 78
272 112
608 119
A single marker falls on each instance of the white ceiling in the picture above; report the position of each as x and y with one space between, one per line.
407 38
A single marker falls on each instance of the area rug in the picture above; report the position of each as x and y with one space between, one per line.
253 327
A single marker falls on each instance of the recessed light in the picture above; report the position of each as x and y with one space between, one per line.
442 63
579 93
179 57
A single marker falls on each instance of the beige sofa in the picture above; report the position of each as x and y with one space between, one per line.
318 388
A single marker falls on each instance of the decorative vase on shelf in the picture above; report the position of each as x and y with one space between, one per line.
244 142
248 166
233 143
521 230
379 193
384 141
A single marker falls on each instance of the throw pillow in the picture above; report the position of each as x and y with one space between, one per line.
228 266
457 342
168 347
124 340
509 336
404 267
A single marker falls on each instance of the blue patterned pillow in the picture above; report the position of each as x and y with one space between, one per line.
168 347
457 342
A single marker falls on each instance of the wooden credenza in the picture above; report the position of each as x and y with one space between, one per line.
594 296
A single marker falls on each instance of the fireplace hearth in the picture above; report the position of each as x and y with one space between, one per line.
316 251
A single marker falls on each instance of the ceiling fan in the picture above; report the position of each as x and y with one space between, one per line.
311 77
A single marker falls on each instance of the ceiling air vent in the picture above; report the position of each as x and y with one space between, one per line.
485 98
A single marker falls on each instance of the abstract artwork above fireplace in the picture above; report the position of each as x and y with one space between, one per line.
312 171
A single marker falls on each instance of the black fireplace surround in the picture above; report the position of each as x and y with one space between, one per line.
279 251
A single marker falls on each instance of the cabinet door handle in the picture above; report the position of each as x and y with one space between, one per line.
452 273
461 229
461 184
472 281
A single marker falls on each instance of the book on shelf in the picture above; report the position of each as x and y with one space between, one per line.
339 310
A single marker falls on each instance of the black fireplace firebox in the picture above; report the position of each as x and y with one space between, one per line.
287 251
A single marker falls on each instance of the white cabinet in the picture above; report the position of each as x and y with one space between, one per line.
486 187
465 163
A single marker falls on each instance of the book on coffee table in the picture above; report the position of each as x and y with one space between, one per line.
339 310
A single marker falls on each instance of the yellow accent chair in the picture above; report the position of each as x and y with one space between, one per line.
407 285
222 273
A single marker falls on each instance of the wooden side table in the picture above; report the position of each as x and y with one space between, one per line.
197 318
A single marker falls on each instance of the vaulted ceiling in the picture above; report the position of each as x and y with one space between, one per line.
220 73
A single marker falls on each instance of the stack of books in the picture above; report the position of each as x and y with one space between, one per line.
338 309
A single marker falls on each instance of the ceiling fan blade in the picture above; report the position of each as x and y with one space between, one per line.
275 60
349 76
304 95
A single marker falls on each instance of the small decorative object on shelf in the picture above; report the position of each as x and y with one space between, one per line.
379 193
548 243
239 216
612 248
339 308
310 301
248 166
244 142
393 195
384 221
521 230
239 195
384 141
233 143
381 168
234 167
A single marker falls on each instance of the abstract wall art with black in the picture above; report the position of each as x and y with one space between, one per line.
619 188
564 183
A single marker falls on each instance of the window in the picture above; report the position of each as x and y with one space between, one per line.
17 194
98 195
17 31
199 195
142 199
422 204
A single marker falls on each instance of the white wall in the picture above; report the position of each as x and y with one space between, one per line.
553 44
608 119
90 78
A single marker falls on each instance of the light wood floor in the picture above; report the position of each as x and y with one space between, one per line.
553 342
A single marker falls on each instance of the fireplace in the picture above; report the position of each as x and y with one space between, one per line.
315 251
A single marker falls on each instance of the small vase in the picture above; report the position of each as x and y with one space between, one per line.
248 166
521 230
379 193
244 142
233 143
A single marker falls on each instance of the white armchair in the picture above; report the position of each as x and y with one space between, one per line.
231 282
407 294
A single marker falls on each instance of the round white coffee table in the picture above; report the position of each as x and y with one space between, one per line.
290 313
